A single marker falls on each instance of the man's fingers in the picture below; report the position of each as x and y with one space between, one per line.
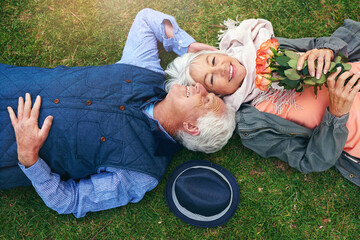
27 108
44 131
20 108
36 108
12 116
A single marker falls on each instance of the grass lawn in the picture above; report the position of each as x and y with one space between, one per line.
277 202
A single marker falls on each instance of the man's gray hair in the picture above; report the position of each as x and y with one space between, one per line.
178 71
215 132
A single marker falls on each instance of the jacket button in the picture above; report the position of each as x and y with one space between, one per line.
122 108
246 134
128 80
102 139
56 100
351 175
88 102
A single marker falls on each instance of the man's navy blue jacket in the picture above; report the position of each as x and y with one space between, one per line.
98 118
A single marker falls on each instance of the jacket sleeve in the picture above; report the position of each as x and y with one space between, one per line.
304 44
306 150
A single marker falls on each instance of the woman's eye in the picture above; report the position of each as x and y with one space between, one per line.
213 61
212 80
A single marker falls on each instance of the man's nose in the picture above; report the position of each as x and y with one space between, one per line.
201 89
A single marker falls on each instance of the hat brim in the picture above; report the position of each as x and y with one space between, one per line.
195 219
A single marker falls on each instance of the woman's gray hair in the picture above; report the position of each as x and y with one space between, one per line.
215 132
178 71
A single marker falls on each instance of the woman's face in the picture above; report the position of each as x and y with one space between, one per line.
218 73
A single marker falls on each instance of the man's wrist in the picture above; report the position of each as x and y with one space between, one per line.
28 159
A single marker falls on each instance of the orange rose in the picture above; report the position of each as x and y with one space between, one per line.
262 64
261 81
260 69
262 59
265 47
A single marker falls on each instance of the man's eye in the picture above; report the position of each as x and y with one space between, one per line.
213 61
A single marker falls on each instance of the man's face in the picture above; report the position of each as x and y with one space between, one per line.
218 73
193 102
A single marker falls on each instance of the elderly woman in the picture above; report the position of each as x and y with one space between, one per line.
329 138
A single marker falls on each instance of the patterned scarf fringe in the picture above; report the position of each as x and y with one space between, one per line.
228 25
282 99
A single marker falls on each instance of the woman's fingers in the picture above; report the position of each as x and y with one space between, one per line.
332 79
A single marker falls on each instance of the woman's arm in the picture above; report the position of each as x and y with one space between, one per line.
308 151
305 150
322 50
304 44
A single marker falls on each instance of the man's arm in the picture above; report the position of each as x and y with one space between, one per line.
149 27
109 188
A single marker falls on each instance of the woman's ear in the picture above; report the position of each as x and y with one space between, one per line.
191 128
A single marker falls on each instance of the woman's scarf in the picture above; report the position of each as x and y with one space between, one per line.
241 41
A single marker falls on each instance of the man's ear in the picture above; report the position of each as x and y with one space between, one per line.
191 128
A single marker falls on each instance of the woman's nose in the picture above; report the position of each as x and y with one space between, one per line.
221 69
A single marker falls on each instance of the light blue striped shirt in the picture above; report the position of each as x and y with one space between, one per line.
112 187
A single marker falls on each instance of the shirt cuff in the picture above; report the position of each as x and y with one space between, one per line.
179 43
330 119
37 173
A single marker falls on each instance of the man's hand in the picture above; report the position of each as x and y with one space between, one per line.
196 47
323 57
342 97
29 137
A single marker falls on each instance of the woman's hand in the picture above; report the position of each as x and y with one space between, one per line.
29 137
342 97
196 47
323 57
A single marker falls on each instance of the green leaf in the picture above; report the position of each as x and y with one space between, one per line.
337 59
321 80
292 54
274 51
282 60
347 66
332 67
293 63
305 70
292 74
290 84
300 88
310 81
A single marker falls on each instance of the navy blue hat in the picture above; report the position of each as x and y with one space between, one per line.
202 193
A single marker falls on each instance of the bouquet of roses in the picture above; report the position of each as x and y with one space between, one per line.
274 65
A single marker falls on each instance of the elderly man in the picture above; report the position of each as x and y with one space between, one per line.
107 132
